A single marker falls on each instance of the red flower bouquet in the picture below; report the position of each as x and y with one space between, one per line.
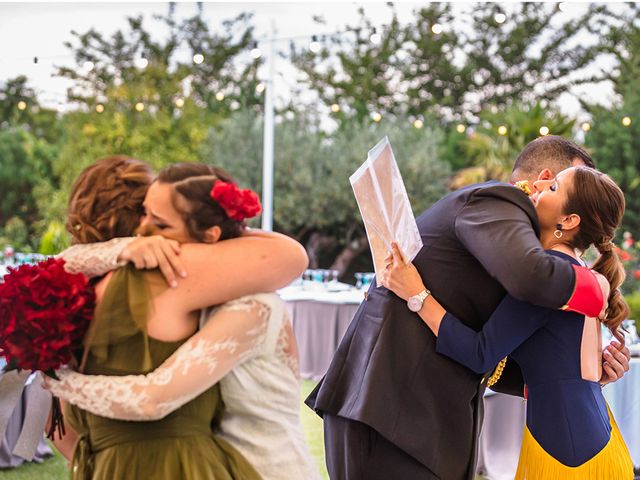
44 315
238 204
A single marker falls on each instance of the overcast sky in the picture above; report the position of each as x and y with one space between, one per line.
29 30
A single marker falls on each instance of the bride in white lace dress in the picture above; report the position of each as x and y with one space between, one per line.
247 345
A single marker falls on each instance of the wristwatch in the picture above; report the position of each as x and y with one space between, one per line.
415 303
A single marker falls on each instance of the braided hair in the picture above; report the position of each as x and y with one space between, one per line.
106 199
600 204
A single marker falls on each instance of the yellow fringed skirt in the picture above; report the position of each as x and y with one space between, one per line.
613 462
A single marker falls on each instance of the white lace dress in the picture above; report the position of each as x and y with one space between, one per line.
248 346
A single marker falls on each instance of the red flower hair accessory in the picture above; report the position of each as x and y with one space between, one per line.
237 203
44 314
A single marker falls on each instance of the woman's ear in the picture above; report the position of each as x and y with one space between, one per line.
212 235
570 222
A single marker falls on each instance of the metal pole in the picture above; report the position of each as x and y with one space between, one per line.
268 143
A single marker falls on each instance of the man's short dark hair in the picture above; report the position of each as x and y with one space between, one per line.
551 151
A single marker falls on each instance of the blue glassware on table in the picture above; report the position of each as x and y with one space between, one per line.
317 275
367 278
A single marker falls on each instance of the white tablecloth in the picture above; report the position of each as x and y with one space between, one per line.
15 426
317 292
320 319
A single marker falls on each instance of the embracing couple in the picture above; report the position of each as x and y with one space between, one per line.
499 276
193 376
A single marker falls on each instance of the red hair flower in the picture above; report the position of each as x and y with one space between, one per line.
44 314
238 204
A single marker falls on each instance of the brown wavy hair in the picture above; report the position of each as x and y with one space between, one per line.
106 199
600 203
193 182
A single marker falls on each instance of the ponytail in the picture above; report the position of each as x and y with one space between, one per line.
609 265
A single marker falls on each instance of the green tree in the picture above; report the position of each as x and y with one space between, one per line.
535 54
19 107
15 234
439 64
148 98
131 67
54 239
500 136
313 200
616 147
25 164
410 71
616 151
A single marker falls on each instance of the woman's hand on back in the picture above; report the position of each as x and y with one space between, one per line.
156 252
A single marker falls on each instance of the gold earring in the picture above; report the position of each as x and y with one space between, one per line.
558 231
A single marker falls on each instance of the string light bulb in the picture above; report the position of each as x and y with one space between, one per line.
544 130
198 58
141 63
502 130
255 51
376 116
88 65
586 126
139 106
460 128
99 108
219 96
179 102
260 87
437 28
22 105
375 37
418 123
315 45
626 121
335 108
500 18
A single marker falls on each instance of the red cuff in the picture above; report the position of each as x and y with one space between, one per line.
587 297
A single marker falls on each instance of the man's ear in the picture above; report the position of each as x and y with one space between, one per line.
545 174
212 235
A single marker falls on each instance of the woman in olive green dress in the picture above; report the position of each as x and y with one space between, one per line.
140 321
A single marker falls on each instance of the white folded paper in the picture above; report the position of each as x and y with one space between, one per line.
384 205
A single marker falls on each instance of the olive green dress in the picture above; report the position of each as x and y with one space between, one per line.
179 446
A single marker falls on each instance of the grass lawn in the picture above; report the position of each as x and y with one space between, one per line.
55 468
312 425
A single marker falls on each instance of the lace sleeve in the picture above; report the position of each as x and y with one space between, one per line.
95 259
235 332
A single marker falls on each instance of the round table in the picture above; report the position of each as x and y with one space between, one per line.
320 318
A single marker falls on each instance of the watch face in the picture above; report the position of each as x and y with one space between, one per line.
414 304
